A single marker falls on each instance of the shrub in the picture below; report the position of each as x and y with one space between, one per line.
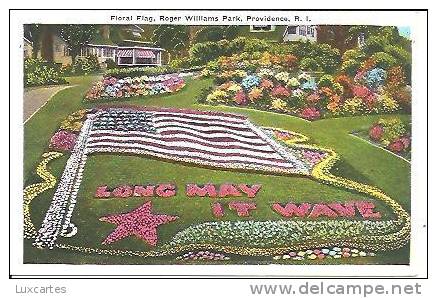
85 65
353 54
353 106
38 72
110 64
350 67
139 71
202 52
387 104
185 62
403 59
383 60
310 113
326 81
327 57
374 44
309 64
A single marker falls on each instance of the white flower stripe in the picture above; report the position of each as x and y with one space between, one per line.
181 144
184 153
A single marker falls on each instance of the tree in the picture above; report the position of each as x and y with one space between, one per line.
35 33
216 33
174 39
76 36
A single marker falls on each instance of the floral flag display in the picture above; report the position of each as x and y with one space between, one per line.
367 223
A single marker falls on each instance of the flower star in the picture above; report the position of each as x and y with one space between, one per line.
140 222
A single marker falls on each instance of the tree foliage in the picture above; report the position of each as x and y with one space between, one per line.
174 39
216 33
76 36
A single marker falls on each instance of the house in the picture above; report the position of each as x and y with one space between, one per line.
127 50
61 52
124 55
300 33
27 48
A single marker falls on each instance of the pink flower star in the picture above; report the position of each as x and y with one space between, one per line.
140 222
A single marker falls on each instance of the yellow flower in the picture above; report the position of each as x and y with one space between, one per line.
279 104
255 94
387 103
234 88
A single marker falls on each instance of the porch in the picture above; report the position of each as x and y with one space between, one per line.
139 56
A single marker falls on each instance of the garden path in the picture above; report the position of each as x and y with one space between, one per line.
36 98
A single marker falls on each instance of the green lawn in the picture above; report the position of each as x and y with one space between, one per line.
360 161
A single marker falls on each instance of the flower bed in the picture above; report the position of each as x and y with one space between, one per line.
273 82
111 88
322 253
391 134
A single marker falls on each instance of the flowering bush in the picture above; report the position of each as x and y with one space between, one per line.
391 133
250 81
375 132
38 72
280 92
113 88
63 140
310 113
375 78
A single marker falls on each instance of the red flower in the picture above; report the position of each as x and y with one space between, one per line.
396 146
310 113
375 132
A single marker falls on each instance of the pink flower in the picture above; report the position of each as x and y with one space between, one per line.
406 140
310 113
361 91
63 140
313 97
396 146
375 132
240 98
217 210
267 84
280 92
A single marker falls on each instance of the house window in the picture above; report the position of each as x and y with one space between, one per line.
108 52
66 51
125 60
291 29
310 31
302 30
266 28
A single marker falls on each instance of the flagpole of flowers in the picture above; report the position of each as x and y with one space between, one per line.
65 193
33 190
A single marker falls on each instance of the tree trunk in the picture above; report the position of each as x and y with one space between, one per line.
47 43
